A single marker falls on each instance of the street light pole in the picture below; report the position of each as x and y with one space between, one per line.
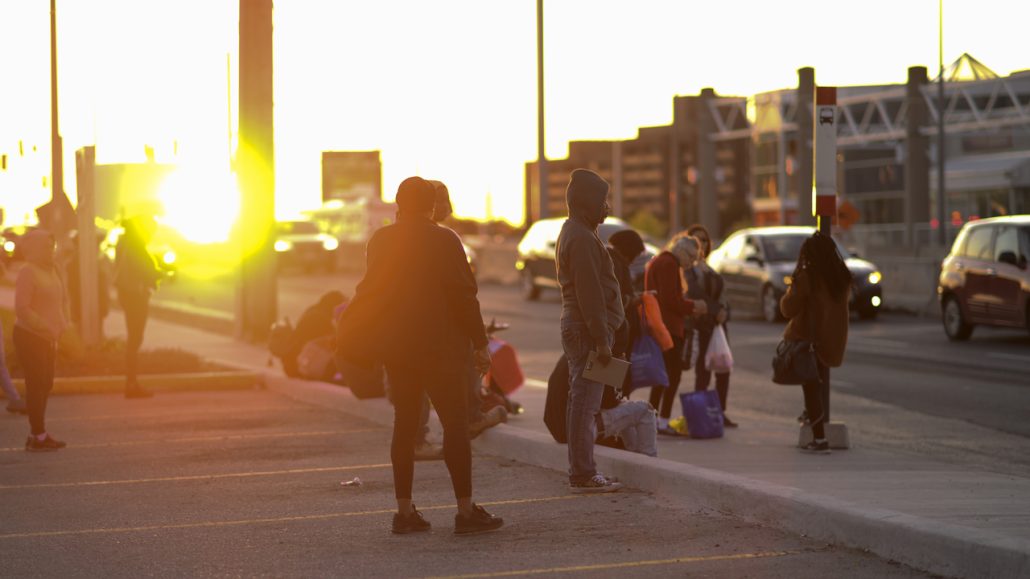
541 160
942 231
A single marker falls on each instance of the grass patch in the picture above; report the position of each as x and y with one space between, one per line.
73 359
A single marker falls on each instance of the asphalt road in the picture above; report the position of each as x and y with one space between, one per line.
247 483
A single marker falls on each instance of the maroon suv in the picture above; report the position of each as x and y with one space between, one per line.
985 280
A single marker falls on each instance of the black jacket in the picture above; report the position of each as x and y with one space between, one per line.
416 305
709 289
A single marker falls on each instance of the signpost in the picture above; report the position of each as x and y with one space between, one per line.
824 208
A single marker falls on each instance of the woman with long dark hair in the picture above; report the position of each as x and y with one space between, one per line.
816 303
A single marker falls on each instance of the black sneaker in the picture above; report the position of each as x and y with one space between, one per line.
479 521
816 447
48 444
726 422
413 523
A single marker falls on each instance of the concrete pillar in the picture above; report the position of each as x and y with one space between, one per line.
617 192
85 210
917 162
257 299
708 197
804 171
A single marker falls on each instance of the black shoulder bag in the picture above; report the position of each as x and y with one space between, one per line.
795 362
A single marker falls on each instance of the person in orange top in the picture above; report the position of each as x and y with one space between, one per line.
663 275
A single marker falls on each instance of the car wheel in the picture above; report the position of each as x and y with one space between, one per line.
955 325
770 305
530 290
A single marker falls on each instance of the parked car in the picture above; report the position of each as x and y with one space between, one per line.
303 244
984 279
756 265
535 261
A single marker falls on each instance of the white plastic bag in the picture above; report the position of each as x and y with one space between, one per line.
719 358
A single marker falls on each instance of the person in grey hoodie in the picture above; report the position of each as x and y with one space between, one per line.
591 313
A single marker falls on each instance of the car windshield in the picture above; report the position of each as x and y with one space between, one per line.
786 248
606 230
298 228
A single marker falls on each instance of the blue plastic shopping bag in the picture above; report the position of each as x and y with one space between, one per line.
703 413
647 366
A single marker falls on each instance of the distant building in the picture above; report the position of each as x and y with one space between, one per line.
656 178
351 175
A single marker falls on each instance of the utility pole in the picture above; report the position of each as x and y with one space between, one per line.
942 214
541 155
56 215
257 299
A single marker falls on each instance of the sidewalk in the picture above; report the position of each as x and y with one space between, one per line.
949 519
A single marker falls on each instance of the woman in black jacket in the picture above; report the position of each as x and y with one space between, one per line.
703 283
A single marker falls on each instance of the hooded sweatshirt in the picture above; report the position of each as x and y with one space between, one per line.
589 289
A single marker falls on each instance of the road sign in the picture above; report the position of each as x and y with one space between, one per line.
824 200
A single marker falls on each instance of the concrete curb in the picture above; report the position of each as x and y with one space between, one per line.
931 546
196 381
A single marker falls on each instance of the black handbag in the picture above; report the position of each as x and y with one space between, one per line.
795 362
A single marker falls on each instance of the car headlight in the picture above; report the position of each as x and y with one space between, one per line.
875 277
168 257
282 245
787 280
330 244
9 246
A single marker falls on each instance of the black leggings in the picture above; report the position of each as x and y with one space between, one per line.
817 401
448 391
664 398
703 376
136 306
37 356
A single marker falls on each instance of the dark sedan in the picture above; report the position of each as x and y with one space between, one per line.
756 265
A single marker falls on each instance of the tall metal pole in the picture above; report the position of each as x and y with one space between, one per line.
56 146
541 157
942 214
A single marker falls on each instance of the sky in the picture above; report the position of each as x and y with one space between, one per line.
446 89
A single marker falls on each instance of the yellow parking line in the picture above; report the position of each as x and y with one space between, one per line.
192 413
625 565
225 437
96 483
300 518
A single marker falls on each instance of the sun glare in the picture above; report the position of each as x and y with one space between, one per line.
202 206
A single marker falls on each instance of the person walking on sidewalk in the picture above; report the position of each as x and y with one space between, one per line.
817 300
704 283
664 276
136 276
416 311
41 315
591 313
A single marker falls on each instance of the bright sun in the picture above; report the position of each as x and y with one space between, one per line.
201 205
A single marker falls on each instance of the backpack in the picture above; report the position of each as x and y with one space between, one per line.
280 338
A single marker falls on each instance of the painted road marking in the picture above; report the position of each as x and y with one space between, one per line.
223 437
625 565
196 414
97 483
242 522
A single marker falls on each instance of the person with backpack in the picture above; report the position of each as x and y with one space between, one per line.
416 311
816 305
